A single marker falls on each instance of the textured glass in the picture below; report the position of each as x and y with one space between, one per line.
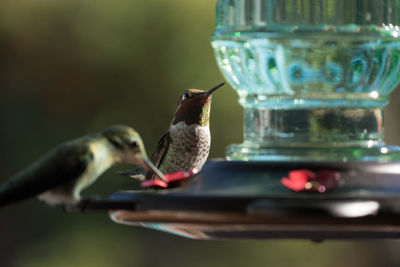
310 74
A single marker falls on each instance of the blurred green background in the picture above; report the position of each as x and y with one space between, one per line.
70 67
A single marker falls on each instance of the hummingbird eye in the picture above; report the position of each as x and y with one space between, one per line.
133 143
187 96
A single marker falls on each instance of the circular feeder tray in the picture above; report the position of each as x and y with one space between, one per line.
253 200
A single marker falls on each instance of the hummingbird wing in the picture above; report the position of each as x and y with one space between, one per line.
159 153
60 166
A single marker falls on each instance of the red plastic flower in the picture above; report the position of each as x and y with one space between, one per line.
172 179
306 180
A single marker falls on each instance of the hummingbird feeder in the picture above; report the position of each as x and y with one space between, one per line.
313 78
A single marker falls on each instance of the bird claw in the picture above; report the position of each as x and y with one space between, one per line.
78 207
69 208
82 204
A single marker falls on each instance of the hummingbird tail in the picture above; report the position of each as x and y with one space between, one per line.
10 194
17 189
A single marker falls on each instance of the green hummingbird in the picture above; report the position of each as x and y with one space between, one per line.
59 176
187 143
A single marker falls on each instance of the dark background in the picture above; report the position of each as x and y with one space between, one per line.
70 67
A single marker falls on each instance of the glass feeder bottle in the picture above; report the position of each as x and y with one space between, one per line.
313 76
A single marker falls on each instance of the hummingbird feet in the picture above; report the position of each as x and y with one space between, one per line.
96 204
69 208
81 206
91 204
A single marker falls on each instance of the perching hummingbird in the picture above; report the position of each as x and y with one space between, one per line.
187 143
60 175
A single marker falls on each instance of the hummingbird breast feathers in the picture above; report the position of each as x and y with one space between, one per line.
189 147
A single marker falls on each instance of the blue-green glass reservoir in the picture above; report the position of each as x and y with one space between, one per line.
281 69
313 76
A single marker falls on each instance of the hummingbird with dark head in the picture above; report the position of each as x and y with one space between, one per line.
60 175
187 143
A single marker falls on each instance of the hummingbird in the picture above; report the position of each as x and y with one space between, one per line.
187 143
59 176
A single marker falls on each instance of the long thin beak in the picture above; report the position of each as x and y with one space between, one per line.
150 166
209 92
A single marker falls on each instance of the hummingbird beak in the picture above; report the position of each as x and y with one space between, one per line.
150 166
209 92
